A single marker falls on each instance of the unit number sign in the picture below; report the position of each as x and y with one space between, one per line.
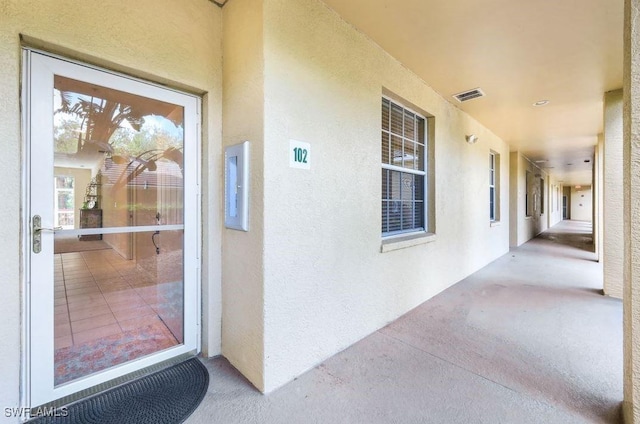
299 154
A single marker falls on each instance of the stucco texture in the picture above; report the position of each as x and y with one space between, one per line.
326 283
174 43
243 117
598 199
582 203
613 243
541 216
631 212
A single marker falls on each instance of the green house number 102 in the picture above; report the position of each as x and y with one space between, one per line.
300 155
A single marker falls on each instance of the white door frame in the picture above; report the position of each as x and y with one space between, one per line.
38 362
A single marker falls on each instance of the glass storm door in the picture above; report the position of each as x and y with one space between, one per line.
112 244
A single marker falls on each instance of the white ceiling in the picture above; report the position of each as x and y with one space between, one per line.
566 51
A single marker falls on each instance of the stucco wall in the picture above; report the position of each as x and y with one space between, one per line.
525 227
516 207
582 203
631 212
177 43
243 105
598 199
613 243
326 284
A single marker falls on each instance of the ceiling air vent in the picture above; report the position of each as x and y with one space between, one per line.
469 95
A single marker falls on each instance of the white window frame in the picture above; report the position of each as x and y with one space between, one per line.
422 172
57 206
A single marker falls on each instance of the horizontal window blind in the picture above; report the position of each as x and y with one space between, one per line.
403 169
492 186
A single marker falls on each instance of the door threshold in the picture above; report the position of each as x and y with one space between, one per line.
119 381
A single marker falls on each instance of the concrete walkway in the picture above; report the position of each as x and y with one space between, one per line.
527 339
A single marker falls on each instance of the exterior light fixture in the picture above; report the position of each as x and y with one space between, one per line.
540 103
471 138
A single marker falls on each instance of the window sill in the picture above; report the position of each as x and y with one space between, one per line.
494 224
403 242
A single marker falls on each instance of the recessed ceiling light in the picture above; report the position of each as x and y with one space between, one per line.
541 161
541 103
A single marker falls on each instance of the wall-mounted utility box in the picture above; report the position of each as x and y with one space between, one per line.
236 187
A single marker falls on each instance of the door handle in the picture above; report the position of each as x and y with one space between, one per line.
36 226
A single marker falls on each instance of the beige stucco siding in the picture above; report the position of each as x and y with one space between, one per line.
326 284
242 291
613 215
582 203
524 224
631 212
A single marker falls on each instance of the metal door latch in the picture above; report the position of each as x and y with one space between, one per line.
36 230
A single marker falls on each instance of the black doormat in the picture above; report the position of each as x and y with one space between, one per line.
166 397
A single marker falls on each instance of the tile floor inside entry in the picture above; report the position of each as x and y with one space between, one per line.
101 299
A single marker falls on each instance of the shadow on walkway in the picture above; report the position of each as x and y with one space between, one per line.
570 233
524 340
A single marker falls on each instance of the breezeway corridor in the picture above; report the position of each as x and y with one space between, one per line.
527 339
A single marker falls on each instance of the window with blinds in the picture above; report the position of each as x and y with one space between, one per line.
403 169
542 195
528 204
492 187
